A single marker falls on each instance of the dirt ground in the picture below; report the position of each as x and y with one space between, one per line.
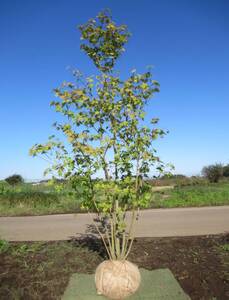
42 270
200 264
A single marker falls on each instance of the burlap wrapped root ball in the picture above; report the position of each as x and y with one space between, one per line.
117 279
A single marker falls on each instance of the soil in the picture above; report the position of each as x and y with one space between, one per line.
198 263
42 270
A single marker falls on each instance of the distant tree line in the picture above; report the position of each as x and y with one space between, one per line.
213 173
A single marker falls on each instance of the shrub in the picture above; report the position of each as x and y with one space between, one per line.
14 179
213 172
4 187
226 171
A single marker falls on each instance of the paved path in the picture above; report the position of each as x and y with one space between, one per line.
152 223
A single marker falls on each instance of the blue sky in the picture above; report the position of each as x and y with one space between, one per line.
187 42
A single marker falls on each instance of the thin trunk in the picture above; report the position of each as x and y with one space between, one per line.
114 144
112 238
116 167
106 174
101 235
105 165
115 152
137 176
131 235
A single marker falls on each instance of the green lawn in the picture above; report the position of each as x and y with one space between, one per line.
44 199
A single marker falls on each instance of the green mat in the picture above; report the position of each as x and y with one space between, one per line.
155 285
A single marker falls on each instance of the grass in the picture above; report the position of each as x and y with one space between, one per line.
44 199
27 199
190 196
36 203
4 246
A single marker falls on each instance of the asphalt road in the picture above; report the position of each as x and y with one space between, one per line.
152 223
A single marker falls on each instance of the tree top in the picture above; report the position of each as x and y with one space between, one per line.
103 40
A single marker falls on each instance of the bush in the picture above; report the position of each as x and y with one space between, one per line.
226 171
213 172
4 187
14 179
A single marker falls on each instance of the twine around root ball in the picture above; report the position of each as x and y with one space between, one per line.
117 279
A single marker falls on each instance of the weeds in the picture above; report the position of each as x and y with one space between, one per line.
225 247
47 199
41 270
4 246
188 196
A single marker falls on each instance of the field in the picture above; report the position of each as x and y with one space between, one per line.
42 270
28 199
188 196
